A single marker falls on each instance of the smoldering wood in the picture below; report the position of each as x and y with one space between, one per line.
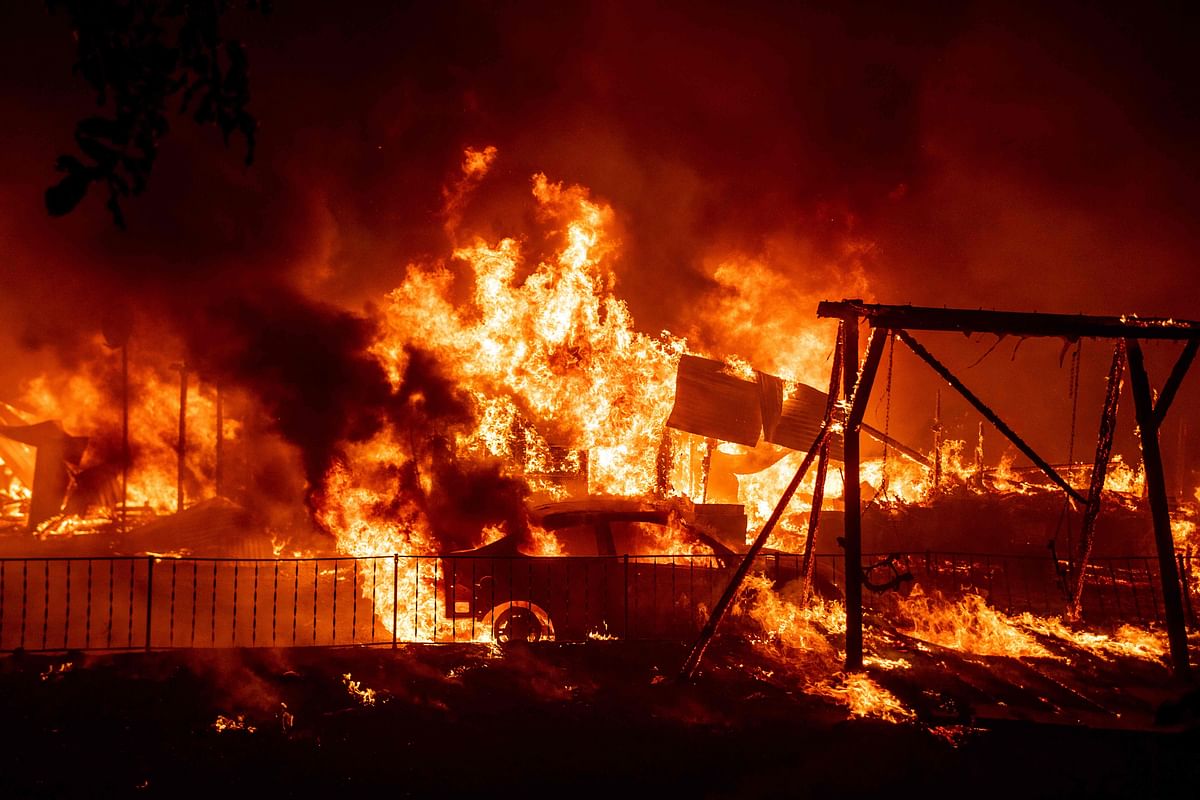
1156 490
989 415
1010 323
1104 444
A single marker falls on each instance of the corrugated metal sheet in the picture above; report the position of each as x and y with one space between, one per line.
711 403
801 418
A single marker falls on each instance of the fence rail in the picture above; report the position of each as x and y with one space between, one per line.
151 602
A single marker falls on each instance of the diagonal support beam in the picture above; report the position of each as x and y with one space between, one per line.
990 415
1178 372
693 660
1104 444
814 514
1156 490
910 453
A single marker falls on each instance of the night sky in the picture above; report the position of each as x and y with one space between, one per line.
986 156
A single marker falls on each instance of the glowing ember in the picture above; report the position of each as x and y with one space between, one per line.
363 694
224 724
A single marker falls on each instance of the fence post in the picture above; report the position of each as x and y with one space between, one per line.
626 597
149 596
395 594
1184 574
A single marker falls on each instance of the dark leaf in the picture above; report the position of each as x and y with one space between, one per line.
103 155
114 208
66 194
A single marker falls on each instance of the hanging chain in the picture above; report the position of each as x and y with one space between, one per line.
1074 392
887 408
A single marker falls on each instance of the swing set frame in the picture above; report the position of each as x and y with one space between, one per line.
856 378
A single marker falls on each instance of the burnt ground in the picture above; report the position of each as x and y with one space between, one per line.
601 718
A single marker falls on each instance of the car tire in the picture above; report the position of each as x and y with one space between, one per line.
520 622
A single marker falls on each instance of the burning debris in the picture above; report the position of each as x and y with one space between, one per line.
364 695
224 724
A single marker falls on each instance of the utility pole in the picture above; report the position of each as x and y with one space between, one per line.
181 447
217 475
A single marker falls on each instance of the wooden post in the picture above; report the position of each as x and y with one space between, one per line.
852 500
858 389
124 436
706 467
1156 488
181 447
217 470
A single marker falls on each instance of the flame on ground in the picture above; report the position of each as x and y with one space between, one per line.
968 625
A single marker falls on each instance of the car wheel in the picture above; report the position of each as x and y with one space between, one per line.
517 624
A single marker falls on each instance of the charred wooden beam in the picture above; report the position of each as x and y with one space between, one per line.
1010 323
1174 380
989 415
1156 489
857 386
1104 443
910 452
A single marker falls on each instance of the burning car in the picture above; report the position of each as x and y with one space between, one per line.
602 567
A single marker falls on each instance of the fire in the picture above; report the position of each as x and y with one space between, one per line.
14 494
88 403
1126 640
1125 479
355 689
968 625
560 380
545 543
557 348
862 697
797 634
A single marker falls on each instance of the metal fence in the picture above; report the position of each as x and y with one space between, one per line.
126 603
